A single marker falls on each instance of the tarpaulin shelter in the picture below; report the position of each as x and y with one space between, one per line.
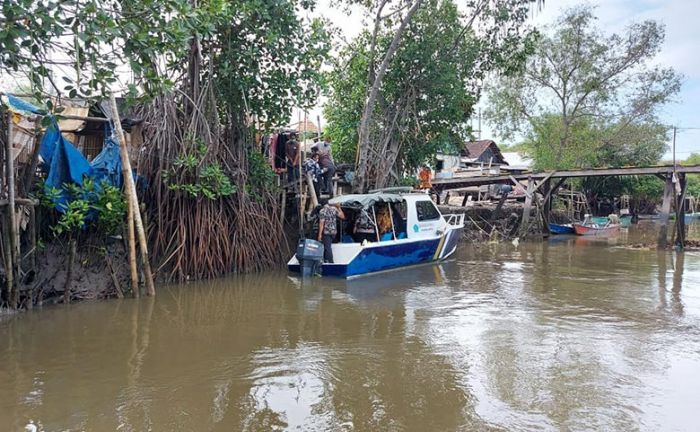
63 162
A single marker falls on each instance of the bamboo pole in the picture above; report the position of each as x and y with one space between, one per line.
131 190
12 274
132 240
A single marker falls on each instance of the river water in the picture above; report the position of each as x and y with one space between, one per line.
570 335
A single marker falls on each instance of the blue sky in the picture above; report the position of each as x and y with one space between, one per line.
680 51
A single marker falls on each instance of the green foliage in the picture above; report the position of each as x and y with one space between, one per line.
432 83
193 174
96 37
586 98
693 180
260 175
73 217
88 205
267 58
593 143
110 206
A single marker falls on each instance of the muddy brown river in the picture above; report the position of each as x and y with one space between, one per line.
569 335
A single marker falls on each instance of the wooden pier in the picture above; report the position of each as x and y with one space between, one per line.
540 187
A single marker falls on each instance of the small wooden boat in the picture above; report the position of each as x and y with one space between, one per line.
561 228
596 230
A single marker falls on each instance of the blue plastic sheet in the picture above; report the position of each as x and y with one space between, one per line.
65 163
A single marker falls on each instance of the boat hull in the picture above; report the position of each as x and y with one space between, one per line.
609 230
561 228
391 255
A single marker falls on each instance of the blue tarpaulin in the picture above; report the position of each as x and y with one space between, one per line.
64 162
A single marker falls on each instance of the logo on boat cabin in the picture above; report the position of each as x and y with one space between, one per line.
416 228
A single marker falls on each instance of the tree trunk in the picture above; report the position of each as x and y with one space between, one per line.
360 183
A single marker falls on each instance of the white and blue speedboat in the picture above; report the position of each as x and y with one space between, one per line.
419 234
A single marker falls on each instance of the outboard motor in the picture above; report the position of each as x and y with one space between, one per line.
310 256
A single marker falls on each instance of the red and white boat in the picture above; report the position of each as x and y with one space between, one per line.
596 230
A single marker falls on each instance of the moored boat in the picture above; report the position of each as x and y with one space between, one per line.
561 228
419 234
596 230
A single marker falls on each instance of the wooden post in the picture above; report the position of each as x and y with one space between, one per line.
283 206
12 269
499 206
527 208
665 210
546 205
680 213
376 225
7 256
312 190
133 271
32 235
131 189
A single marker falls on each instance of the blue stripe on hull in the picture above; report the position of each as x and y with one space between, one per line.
375 259
392 256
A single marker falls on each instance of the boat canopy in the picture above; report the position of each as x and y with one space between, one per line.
366 200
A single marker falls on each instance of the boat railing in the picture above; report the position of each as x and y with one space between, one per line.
456 219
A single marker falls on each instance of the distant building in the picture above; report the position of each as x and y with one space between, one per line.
482 152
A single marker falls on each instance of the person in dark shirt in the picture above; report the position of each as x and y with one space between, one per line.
327 164
328 228
292 155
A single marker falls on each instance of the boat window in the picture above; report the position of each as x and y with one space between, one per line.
426 211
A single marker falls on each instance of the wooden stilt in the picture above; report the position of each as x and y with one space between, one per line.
283 206
665 211
13 269
546 205
497 211
133 270
7 254
527 208
680 213
30 169
129 181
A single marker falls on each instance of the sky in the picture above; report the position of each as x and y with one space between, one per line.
681 50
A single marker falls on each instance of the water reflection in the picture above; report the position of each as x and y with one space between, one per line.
543 336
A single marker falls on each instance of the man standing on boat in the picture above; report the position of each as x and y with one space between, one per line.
328 228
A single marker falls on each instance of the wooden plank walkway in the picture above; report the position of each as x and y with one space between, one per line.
461 182
674 191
